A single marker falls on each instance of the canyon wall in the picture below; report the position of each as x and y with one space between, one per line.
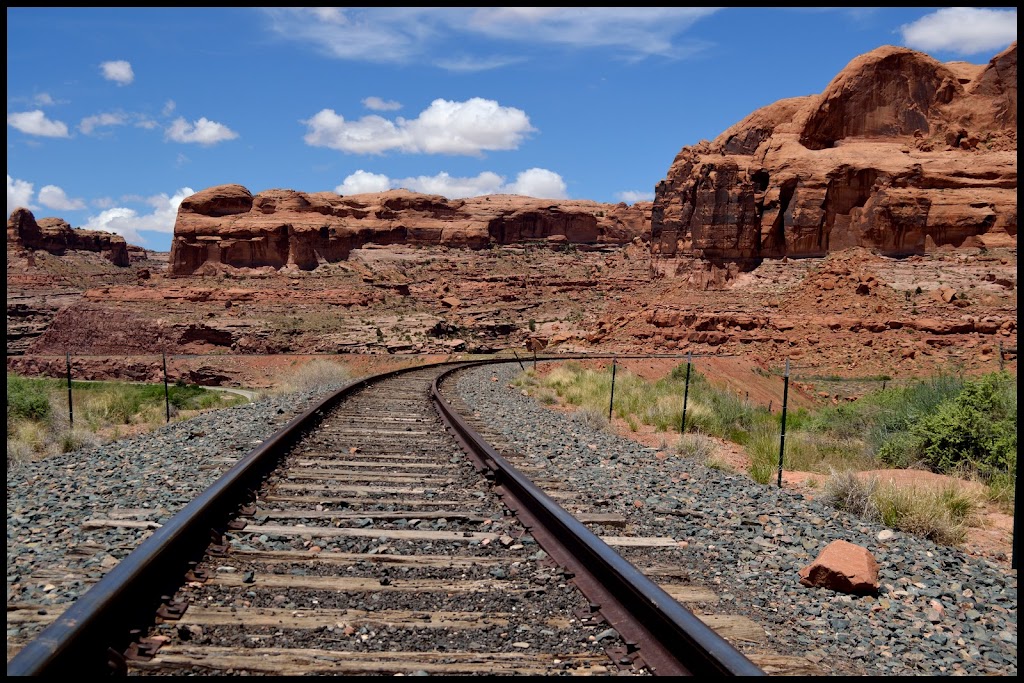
901 154
56 236
227 227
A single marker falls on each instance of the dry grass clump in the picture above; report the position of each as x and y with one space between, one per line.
697 447
941 514
317 376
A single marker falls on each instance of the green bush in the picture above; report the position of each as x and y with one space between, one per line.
27 399
976 429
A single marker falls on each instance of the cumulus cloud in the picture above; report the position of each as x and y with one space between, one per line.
962 30
534 182
91 123
118 71
445 127
406 34
128 222
378 104
362 181
53 197
203 131
35 123
632 196
19 194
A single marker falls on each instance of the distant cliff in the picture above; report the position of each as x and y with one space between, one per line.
56 236
900 154
228 227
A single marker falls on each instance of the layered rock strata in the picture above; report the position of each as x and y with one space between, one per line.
56 236
228 227
901 154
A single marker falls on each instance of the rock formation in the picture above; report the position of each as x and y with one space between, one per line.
56 236
901 154
228 227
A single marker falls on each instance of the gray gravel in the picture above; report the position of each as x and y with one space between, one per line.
938 612
53 556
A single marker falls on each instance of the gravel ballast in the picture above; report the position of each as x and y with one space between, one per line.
939 611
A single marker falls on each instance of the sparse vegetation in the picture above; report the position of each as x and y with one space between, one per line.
39 423
947 424
316 376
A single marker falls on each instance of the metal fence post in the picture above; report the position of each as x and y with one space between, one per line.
612 399
519 361
167 393
782 438
71 410
686 393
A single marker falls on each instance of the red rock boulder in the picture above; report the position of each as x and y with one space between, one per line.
843 567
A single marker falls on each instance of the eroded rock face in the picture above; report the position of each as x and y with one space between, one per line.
901 154
57 236
228 227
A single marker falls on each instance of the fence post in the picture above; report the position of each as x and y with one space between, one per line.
535 359
1000 355
71 410
167 393
782 438
686 394
519 361
612 399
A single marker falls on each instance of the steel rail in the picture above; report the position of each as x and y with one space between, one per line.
92 635
670 639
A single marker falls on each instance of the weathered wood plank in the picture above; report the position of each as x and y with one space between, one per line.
299 662
443 561
359 583
335 532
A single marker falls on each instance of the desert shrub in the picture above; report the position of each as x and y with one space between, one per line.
847 492
595 419
942 516
27 399
975 428
697 446
316 376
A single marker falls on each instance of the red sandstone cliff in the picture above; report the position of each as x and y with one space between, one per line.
57 236
900 154
228 227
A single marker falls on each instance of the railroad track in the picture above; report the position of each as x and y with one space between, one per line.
360 540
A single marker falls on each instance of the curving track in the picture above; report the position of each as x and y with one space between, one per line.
372 546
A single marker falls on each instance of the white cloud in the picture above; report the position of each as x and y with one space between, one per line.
19 194
534 182
44 100
361 181
406 34
539 182
962 30
53 197
128 222
169 107
35 123
377 104
632 196
118 71
203 131
445 127
91 123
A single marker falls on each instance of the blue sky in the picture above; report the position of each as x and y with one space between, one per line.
115 114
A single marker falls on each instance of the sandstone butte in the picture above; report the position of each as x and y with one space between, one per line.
227 227
56 236
901 154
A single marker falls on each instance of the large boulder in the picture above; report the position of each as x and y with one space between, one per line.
56 236
901 154
227 227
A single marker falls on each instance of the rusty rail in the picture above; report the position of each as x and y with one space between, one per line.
671 640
